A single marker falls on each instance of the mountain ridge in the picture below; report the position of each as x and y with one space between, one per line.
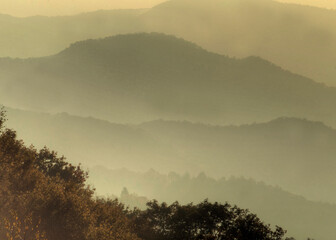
145 70
292 37
278 152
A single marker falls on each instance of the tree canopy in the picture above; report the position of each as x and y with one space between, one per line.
211 221
43 197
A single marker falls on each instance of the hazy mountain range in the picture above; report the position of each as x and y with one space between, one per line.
209 93
301 39
297 155
300 217
141 77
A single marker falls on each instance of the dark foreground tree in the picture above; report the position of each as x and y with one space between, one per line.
43 197
212 221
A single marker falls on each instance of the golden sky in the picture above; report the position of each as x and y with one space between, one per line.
68 7
317 3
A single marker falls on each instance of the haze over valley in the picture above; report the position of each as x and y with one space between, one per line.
169 78
214 119
281 152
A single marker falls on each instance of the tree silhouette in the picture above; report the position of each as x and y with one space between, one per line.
212 221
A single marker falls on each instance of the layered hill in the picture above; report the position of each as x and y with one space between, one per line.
300 217
301 39
141 77
297 155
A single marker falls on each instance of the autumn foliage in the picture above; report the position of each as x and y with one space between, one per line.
43 197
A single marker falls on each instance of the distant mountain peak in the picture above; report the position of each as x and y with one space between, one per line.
133 41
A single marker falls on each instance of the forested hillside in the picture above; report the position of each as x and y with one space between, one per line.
44 197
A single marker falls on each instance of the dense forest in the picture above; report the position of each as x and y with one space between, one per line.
40 192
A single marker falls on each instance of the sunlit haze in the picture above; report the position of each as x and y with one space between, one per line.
214 119
23 8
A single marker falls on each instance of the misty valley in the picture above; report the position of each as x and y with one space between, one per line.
188 120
